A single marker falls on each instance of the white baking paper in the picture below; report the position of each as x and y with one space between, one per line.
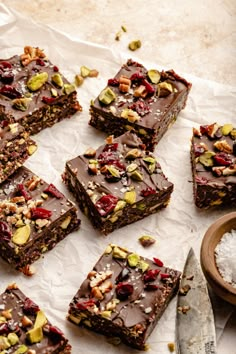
177 228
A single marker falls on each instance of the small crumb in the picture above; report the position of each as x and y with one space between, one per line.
124 29
171 347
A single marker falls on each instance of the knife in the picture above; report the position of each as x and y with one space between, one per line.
195 328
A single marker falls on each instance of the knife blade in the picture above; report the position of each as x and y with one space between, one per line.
195 328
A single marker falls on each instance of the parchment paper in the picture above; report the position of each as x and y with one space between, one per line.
60 272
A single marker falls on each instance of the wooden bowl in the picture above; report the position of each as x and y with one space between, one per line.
211 238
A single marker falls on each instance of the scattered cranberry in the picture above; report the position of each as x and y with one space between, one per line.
124 290
124 274
30 307
7 77
85 304
40 62
10 92
150 89
140 107
51 189
106 204
113 82
40 213
106 157
111 147
55 68
158 262
4 123
164 275
5 232
55 333
20 189
48 100
198 150
137 76
222 159
151 275
151 287
4 329
148 191
5 65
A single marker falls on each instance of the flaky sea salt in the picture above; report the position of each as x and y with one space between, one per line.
225 254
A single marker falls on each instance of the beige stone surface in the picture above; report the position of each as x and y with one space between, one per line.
190 36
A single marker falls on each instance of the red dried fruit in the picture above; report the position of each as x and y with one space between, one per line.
158 262
20 190
4 123
106 204
7 77
198 150
5 232
140 107
111 147
150 89
4 329
85 304
222 159
137 76
113 82
30 307
207 129
150 287
51 189
40 213
148 191
124 290
55 68
164 275
5 65
10 92
48 100
151 275
55 333
40 62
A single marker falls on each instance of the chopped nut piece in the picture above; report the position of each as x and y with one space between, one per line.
146 241
93 73
79 80
107 96
171 347
84 71
184 290
222 145
134 45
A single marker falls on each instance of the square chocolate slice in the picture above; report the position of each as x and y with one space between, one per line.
15 148
140 100
24 328
124 296
33 92
119 183
213 156
34 217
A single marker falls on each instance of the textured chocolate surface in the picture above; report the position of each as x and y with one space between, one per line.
154 112
124 296
17 316
213 155
123 172
34 217
15 148
42 107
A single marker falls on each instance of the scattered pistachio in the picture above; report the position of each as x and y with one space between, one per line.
130 115
21 349
106 314
154 76
226 129
133 259
132 167
136 175
133 154
22 104
143 266
164 89
120 205
13 127
134 45
90 152
13 338
107 96
206 158
130 197
37 81
21 235
57 79
233 133
149 160
69 88
65 223
53 92
113 171
108 250
146 241
84 71
119 253
31 149
79 80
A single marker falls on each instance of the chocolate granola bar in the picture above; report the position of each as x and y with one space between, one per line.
34 217
124 296
24 328
213 156
118 184
140 100
15 148
33 92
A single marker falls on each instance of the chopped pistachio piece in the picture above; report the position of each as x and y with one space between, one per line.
133 154
146 240
57 79
22 104
149 160
108 250
130 115
106 314
31 149
143 266
113 171
164 89
206 158
133 259
84 71
132 167
154 76
79 80
136 175
134 45
21 235
226 129
120 205
13 338
119 253
107 96
130 197
37 81
69 88
53 92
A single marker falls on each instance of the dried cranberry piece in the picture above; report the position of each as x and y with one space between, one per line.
10 92
5 65
113 82
40 213
151 275
30 307
55 68
85 304
158 262
40 62
51 189
148 191
48 100
222 159
105 157
106 204
151 287
7 77
111 147
164 275
124 274
150 89
198 150
20 189
124 290
137 76
140 107
55 334
4 123
5 232
4 329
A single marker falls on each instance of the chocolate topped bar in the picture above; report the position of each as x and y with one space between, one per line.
119 183
124 296
15 148
33 92
140 100
34 217
24 328
213 155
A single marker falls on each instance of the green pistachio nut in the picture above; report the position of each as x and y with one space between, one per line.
136 175
206 159
130 197
164 89
133 259
53 92
154 76
133 154
233 133
4 343
21 350
119 253
107 96
120 205
226 129
132 167
108 249
149 160
106 314
113 171
22 104
143 266
13 338
57 79
21 235
134 45
69 88
84 71
37 81
130 115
